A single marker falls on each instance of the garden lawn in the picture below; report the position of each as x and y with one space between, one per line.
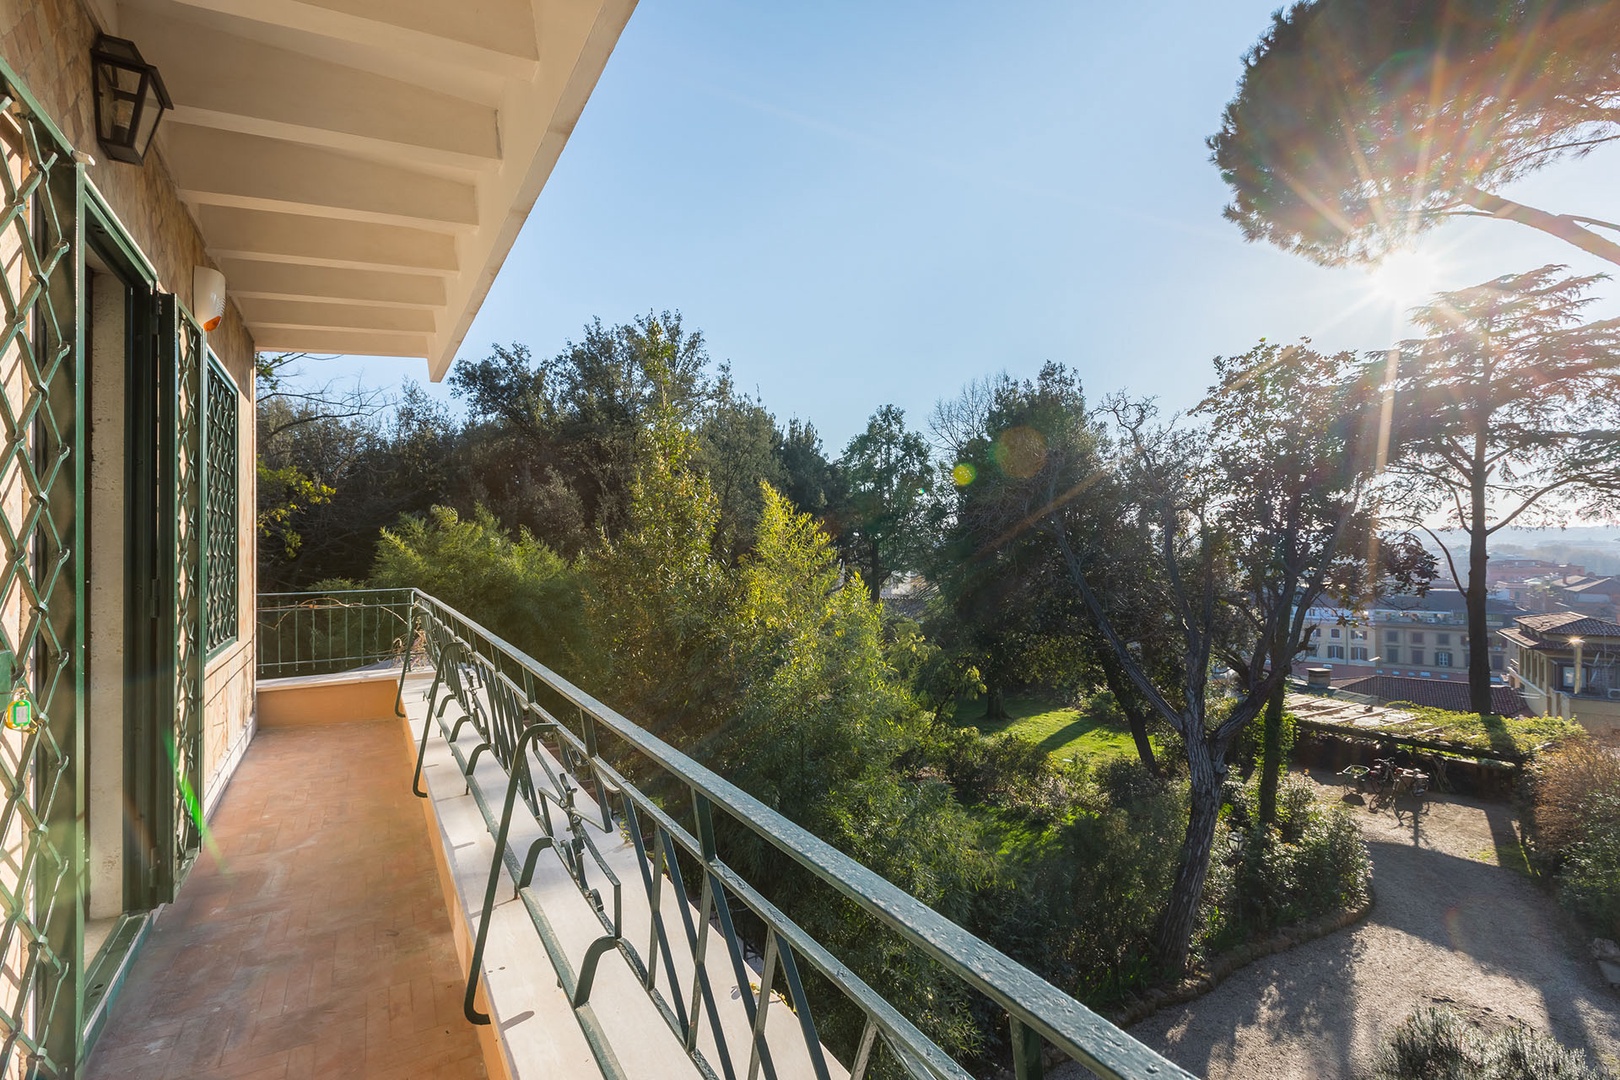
1063 732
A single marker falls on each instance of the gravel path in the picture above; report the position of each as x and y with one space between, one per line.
1451 924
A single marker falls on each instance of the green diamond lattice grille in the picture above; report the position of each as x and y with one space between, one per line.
221 611
186 463
40 481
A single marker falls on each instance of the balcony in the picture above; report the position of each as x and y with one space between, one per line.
579 868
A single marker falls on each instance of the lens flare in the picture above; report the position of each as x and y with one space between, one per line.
1407 277
964 474
1020 451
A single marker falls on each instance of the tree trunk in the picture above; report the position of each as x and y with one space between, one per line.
1271 754
995 704
1181 914
1479 642
875 577
1130 704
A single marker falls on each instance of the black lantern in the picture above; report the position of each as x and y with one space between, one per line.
130 99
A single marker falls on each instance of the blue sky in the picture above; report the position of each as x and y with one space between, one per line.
862 204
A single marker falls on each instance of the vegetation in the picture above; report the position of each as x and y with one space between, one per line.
1096 731
1356 127
1484 731
620 511
1438 1044
1575 831
1505 411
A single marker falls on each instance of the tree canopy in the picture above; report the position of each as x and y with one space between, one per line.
1506 410
1357 126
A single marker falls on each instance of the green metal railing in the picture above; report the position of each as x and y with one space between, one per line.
322 633
590 778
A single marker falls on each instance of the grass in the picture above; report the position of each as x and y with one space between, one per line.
1062 732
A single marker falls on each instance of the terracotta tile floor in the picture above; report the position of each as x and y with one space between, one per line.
314 942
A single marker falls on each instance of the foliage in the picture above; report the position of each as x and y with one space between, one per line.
284 494
521 589
1014 612
886 477
657 601
1357 126
586 410
776 675
1312 862
1506 410
1077 901
1248 749
1439 1044
1575 830
737 451
938 678
1483 731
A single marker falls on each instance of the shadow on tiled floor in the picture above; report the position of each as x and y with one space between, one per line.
312 941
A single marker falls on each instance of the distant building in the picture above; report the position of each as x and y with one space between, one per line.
1598 596
1567 663
1416 637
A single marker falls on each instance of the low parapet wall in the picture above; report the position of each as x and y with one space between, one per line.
327 699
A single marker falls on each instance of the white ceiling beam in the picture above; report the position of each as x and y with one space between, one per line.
493 36
292 281
307 314
340 342
230 82
227 168
258 234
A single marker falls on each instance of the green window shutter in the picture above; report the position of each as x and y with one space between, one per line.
221 515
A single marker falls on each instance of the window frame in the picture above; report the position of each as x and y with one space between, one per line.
213 646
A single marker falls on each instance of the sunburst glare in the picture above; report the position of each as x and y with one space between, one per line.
1407 278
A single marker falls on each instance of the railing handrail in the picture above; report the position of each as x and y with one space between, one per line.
1068 1025
1035 1007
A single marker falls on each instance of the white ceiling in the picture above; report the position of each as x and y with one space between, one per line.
360 168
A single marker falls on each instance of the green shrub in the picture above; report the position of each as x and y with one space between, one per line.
1079 900
517 587
1314 862
1589 883
1431 1044
1000 769
1438 1044
1575 830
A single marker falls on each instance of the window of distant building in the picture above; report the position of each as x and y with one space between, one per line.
1442 639
1497 662
1442 658
1392 635
1358 652
1333 632
1392 655
1417 656
1417 639
1358 635
1335 652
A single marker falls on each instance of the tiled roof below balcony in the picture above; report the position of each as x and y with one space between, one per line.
311 939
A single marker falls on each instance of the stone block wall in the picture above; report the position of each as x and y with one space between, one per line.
47 44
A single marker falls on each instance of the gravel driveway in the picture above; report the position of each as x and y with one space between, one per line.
1452 924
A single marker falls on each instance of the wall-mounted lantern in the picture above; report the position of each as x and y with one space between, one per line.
130 99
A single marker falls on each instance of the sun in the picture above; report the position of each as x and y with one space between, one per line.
1407 277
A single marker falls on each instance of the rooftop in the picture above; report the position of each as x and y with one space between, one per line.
1435 693
1569 624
